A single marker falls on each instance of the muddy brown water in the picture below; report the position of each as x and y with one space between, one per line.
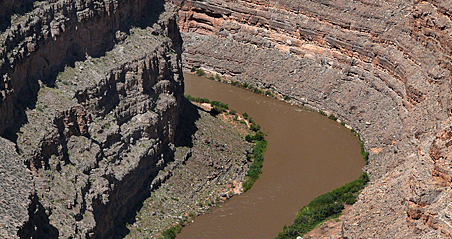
307 155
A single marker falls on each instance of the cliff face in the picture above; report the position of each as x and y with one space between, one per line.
39 43
90 98
382 67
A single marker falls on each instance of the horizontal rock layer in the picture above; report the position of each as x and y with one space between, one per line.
90 100
381 66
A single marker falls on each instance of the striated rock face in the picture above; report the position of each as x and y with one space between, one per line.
17 192
53 34
381 66
89 101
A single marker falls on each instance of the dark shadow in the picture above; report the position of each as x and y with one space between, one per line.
215 111
121 229
76 50
10 8
38 225
131 208
186 127
20 107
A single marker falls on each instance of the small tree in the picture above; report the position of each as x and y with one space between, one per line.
200 72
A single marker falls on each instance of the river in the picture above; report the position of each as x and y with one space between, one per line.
307 155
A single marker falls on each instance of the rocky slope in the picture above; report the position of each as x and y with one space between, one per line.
210 164
89 103
383 67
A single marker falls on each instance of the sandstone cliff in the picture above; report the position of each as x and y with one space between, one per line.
381 66
89 102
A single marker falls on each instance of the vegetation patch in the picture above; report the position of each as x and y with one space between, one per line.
171 232
364 154
243 85
332 117
200 72
256 166
256 136
325 206
218 107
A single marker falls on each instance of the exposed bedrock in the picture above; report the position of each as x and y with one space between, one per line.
39 43
90 96
383 67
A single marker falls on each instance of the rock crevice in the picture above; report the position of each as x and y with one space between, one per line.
94 88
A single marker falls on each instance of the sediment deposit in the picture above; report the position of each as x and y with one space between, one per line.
383 67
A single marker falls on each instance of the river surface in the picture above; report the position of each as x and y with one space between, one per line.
307 155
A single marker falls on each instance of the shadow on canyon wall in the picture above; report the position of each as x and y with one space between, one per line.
187 127
44 74
185 130
76 50
10 8
39 224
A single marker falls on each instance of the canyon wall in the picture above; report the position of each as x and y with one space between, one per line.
383 67
90 97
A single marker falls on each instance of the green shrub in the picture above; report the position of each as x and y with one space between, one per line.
268 93
197 99
257 91
255 127
171 232
324 206
257 136
256 167
219 104
332 117
234 83
364 154
200 72
217 110
245 115
193 69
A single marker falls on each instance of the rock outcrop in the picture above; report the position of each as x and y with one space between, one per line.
90 97
383 67
17 192
210 164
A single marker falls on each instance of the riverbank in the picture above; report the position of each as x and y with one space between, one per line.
369 65
210 165
324 208
228 79
302 149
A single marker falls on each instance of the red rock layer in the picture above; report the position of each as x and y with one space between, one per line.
381 66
